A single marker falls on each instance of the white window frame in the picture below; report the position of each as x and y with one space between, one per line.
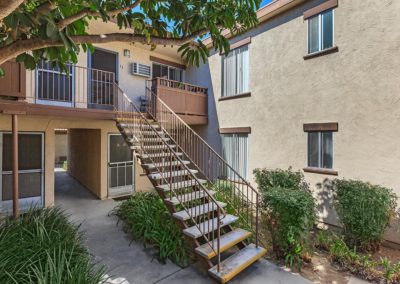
320 29
119 190
320 150
239 74
246 153
169 67
55 102
24 203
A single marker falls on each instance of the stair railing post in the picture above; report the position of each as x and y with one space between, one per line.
257 213
218 239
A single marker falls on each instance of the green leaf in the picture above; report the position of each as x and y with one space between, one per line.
2 72
51 30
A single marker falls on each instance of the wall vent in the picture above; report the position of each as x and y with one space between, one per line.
140 69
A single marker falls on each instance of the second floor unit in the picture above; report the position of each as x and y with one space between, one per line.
91 86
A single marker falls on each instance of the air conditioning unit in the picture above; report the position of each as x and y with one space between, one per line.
140 69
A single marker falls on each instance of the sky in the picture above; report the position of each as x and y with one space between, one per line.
265 2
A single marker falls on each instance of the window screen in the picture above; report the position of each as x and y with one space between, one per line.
235 152
235 72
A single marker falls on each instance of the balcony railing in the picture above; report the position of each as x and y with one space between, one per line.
77 87
188 101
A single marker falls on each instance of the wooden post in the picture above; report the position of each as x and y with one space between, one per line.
15 165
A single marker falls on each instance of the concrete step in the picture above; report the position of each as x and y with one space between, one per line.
227 241
208 226
236 263
188 197
197 211
181 184
167 175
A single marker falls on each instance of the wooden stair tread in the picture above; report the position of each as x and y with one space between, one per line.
174 174
227 241
237 262
156 147
165 164
155 139
197 211
209 226
125 125
145 156
188 197
181 184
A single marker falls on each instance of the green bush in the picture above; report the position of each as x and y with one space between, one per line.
268 179
147 219
42 246
365 211
290 211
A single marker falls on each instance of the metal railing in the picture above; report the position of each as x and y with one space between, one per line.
78 87
243 198
176 181
163 82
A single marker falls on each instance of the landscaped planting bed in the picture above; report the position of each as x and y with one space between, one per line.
365 211
43 247
147 219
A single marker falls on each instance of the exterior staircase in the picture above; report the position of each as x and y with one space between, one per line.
217 210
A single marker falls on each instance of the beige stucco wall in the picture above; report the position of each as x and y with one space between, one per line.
84 157
61 146
358 87
47 125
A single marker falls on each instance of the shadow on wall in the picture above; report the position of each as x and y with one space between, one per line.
202 76
327 214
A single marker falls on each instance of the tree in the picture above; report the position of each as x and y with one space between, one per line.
56 30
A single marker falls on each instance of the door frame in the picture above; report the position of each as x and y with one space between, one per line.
25 203
116 61
121 188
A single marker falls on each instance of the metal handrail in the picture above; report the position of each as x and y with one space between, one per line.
177 128
129 108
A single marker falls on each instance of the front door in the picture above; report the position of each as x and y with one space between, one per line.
31 170
120 167
103 74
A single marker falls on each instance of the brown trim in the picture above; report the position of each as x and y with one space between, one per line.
320 171
57 111
238 96
330 4
241 43
70 112
322 52
167 62
316 127
235 130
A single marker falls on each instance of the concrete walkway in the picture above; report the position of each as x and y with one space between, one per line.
129 262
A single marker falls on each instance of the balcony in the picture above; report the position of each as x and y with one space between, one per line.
188 101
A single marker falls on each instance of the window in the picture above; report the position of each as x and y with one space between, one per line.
320 149
235 152
53 85
30 169
169 72
320 32
235 72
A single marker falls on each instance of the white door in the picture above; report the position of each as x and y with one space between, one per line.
31 170
120 167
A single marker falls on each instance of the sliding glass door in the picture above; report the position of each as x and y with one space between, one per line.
31 170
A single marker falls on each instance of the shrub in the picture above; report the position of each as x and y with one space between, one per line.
42 246
365 211
267 179
290 210
147 219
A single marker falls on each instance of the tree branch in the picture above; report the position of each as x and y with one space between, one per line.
18 47
86 12
8 6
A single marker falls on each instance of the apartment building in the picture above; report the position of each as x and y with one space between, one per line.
315 87
80 103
